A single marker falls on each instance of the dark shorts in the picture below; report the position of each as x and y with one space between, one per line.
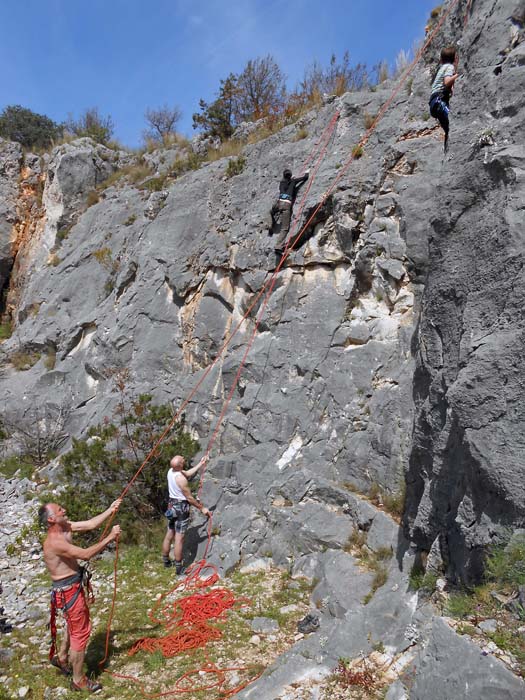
181 515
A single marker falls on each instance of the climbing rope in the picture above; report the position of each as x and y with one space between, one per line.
187 621
324 140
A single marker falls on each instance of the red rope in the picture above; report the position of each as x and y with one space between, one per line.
185 620
467 13
325 137
189 616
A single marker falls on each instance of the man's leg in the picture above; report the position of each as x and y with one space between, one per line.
166 545
79 632
177 550
77 663
285 219
280 240
64 647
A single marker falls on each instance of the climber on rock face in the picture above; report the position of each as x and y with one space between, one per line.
282 208
443 87
178 512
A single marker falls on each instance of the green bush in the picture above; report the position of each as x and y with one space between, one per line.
235 166
6 330
17 463
30 129
184 165
91 123
92 198
96 470
155 184
506 565
63 233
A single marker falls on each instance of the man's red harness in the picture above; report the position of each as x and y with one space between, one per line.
58 599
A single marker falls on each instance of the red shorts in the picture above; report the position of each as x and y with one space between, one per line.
77 618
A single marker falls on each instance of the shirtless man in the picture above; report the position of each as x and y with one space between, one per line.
180 499
60 557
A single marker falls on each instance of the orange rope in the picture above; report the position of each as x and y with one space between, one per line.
325 136
190 614
186 619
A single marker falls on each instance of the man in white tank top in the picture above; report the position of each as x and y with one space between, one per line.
178 512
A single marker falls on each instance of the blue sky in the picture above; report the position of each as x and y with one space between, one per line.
62 56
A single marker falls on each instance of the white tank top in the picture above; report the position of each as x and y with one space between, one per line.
174 489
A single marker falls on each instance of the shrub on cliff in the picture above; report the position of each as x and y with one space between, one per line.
30 129
91 123
97 469
161 124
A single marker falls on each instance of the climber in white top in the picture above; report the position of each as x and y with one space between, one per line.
443 87
178 512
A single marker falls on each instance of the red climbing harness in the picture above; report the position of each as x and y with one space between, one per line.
64 594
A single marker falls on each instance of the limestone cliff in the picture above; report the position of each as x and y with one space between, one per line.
391 350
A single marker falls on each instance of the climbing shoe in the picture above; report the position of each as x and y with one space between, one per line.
167 562
308 624
179 568
86 684
62 666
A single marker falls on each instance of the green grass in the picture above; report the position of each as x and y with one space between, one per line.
420 579
235 166
301 134
506 565
461 604
374 562
23 360
141 578
50 359
63 233
504 572
155 184
92 198
6 330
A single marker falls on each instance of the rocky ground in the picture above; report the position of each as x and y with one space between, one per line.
400 643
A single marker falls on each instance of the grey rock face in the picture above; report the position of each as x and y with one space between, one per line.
466 479
74 171
452 667
391 344
10 165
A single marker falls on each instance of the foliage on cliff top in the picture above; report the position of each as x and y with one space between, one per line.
28 128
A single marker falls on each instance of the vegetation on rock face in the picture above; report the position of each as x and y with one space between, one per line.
30 129
34 437
24 359
501 598
162 124
91 123
235 166
6 329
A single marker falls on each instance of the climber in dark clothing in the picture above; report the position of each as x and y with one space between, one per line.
442 89
288 189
